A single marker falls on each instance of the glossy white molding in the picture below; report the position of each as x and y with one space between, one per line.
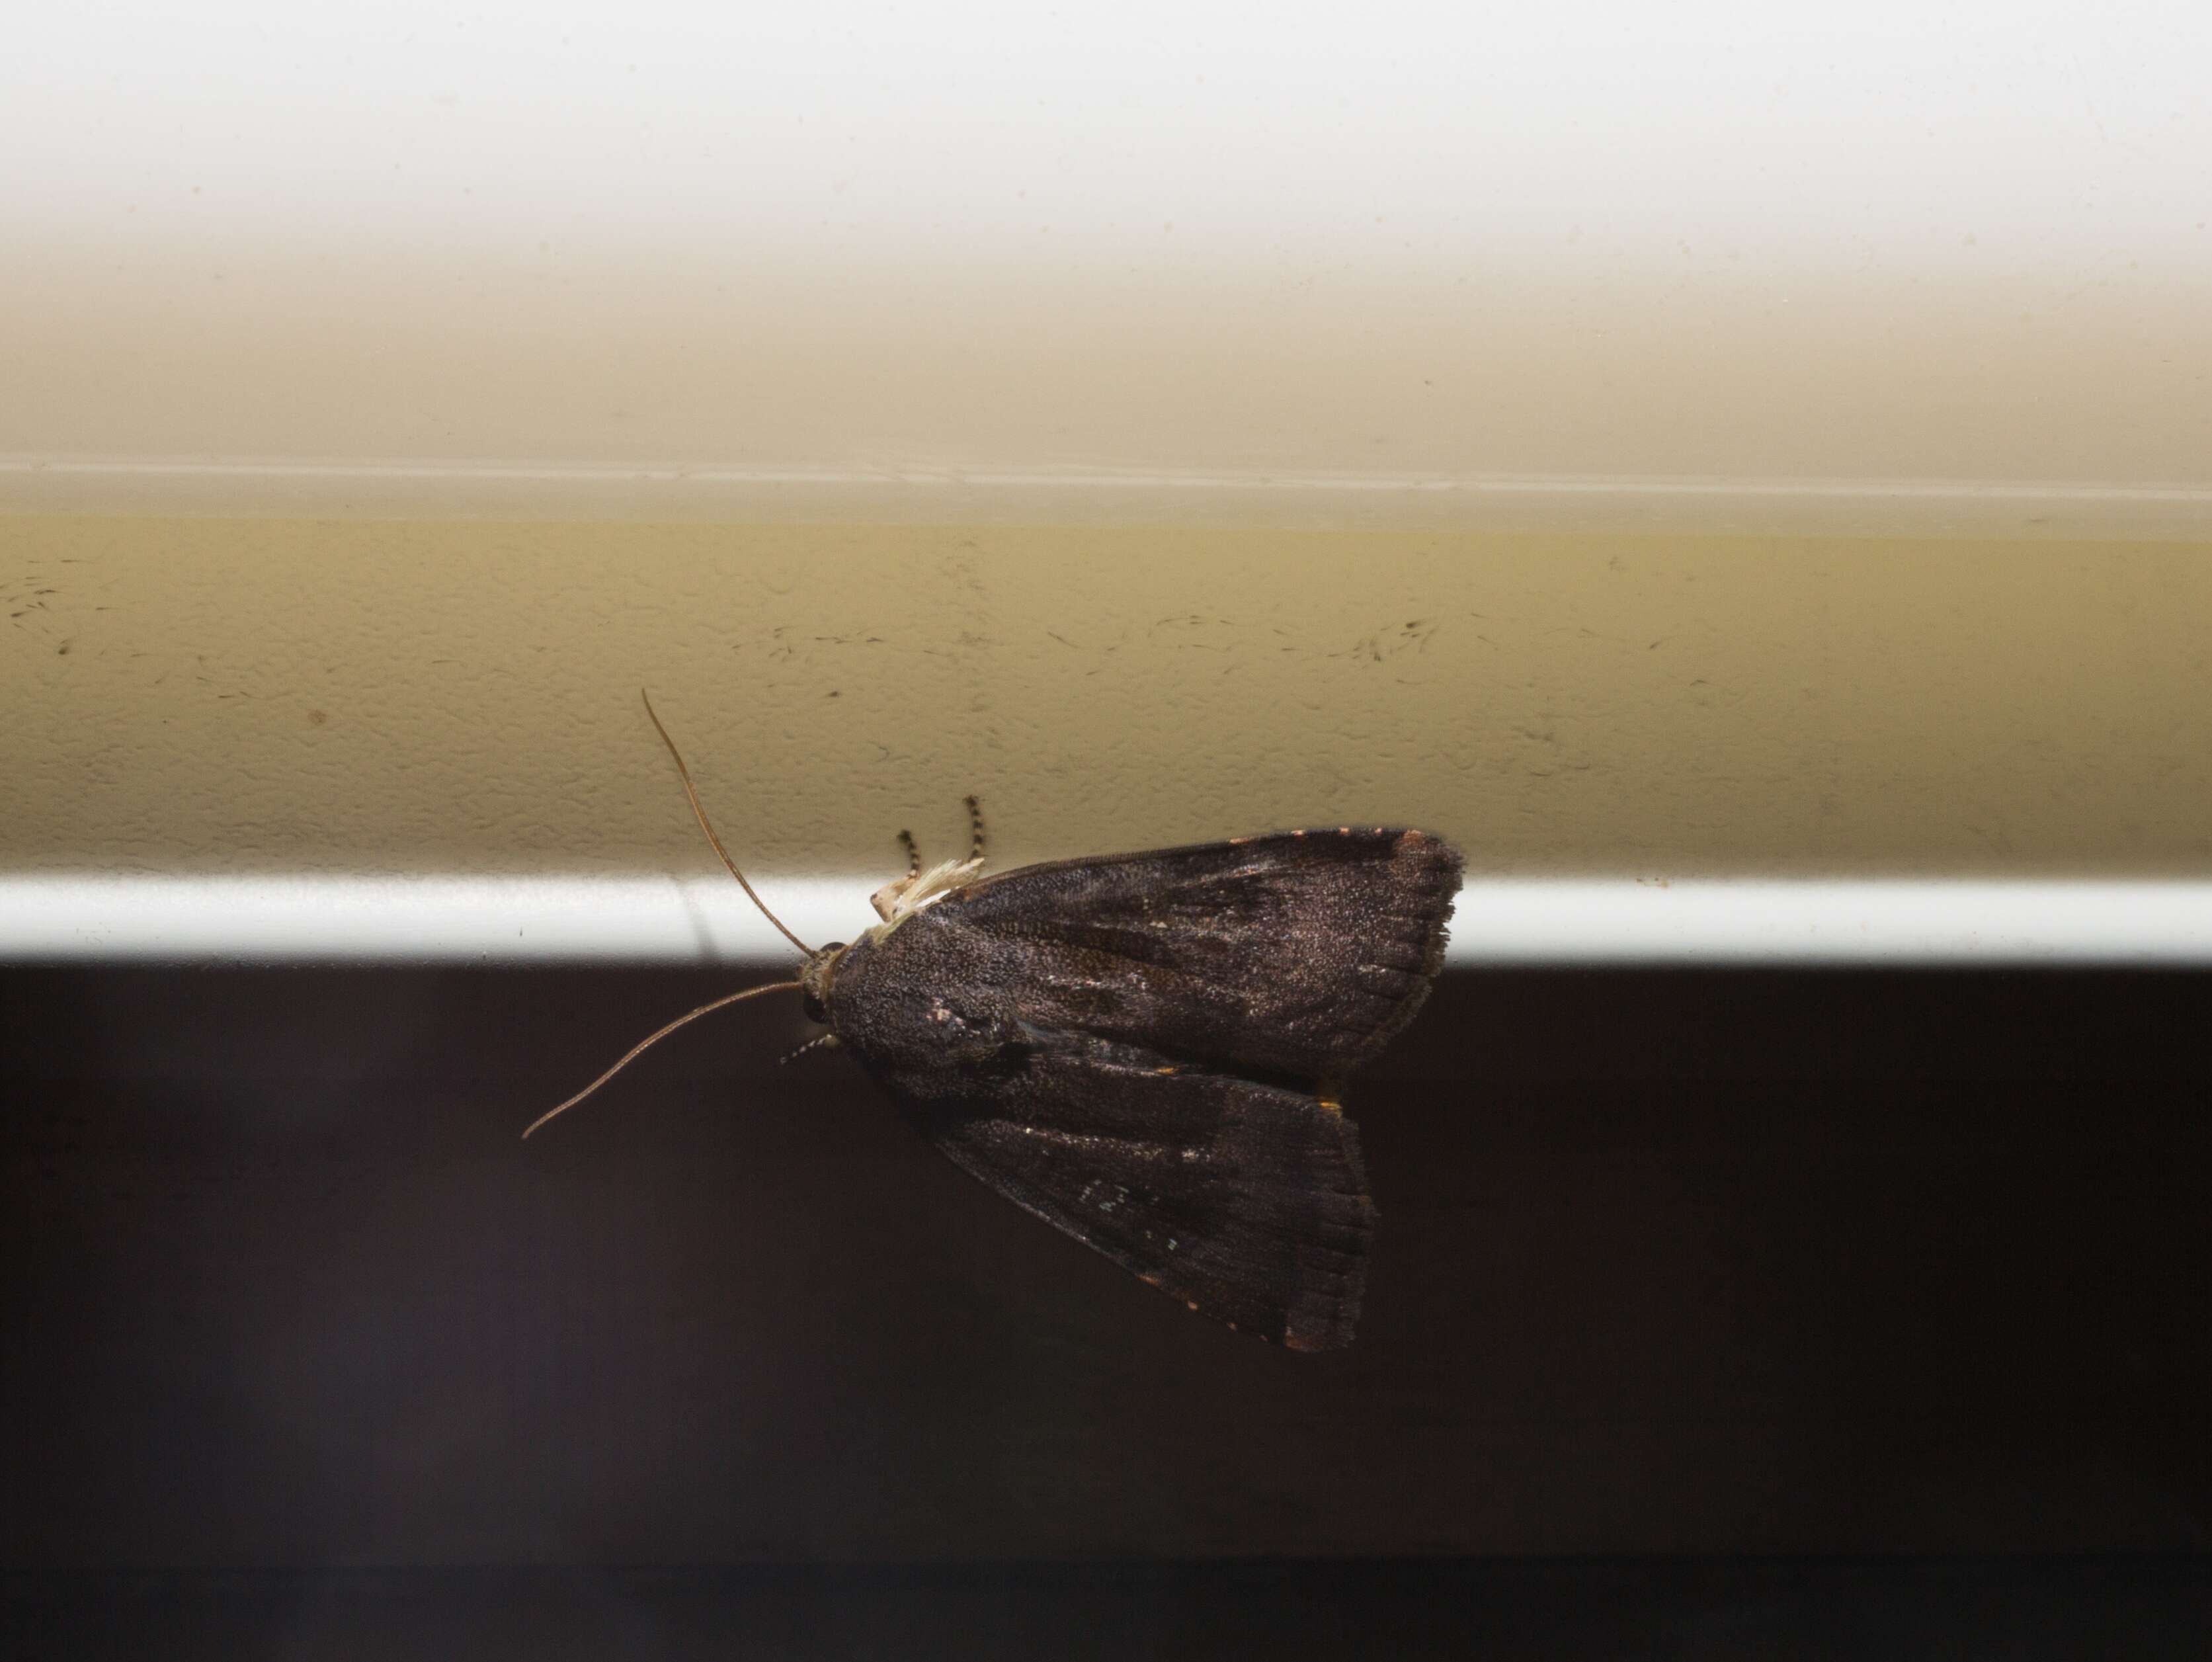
518 921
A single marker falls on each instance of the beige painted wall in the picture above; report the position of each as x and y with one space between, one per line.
202 695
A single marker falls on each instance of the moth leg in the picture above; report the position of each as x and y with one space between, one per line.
913 855
819 1042
975 828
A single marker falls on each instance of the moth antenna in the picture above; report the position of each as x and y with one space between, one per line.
647 1043
701 814
913 855
975 829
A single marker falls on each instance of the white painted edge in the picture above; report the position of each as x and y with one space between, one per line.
525 921
522 490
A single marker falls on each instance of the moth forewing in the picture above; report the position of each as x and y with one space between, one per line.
1134 1048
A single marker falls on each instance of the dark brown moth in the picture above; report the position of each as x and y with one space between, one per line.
1145 1051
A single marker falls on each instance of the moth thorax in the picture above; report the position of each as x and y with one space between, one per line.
896 902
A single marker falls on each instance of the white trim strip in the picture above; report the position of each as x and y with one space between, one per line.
547 920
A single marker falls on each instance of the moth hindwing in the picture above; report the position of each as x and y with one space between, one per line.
1143 1049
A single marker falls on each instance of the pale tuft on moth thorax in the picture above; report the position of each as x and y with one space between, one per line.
896 902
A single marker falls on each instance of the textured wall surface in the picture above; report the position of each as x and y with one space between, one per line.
200 696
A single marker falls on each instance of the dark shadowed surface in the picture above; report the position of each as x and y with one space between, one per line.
1706 1310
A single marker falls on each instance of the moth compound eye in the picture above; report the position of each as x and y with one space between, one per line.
812 1006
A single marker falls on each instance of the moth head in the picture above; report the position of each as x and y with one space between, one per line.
814 980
